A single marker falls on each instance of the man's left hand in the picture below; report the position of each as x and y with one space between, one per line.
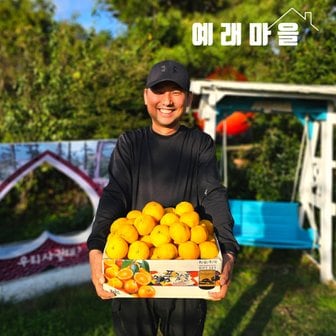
225 277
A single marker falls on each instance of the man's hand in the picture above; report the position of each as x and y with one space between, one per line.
97 276
225 277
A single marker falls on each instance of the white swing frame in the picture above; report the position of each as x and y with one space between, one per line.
315 183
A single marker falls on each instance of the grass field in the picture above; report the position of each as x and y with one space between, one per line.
274 292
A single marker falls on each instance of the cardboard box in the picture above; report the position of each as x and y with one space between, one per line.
168 278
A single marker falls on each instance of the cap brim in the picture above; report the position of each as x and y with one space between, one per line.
154 83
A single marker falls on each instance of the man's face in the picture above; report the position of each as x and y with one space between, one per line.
166 102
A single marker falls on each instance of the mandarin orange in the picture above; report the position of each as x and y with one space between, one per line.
154 209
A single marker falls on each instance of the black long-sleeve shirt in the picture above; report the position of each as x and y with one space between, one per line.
146 166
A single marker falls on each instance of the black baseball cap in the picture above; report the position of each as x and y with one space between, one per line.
169 71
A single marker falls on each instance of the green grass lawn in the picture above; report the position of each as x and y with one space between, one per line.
274 292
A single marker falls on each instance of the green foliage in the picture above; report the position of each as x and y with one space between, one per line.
313 61
58 81
43 200
62 82
134 11
273 162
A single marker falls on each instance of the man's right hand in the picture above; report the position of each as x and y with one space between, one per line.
97 276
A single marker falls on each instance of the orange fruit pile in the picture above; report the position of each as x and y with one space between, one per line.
156 232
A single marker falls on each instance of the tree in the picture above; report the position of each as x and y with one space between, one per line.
58 81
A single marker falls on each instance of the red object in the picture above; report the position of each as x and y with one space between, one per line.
198 121
227 73
236 123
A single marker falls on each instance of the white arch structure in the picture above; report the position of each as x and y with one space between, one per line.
85 182
35 284
317 105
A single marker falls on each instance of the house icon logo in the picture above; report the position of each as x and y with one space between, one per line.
288 30
306 17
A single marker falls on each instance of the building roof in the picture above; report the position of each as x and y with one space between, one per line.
262 89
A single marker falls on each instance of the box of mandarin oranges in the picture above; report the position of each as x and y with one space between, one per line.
159 252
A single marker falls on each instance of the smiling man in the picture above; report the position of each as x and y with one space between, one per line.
168 163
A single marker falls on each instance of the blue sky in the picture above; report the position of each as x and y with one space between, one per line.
65 9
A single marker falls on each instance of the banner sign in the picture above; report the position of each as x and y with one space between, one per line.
85 162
